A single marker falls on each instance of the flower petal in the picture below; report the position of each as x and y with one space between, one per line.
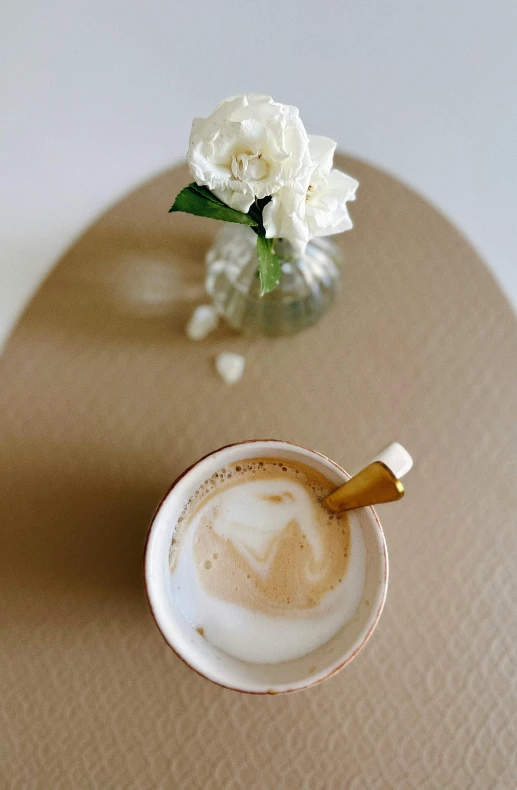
326 209
240 201
342 184
322 150
284 217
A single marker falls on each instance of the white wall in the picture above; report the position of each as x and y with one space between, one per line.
98 95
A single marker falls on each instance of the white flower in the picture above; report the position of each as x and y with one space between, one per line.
322 210
250 147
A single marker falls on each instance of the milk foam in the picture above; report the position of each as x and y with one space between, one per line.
253 567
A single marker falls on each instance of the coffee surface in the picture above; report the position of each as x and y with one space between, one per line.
255 540
264 541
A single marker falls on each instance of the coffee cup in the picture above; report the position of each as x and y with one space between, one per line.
192 645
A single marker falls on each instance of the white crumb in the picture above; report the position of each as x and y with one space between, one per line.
230 366
203 320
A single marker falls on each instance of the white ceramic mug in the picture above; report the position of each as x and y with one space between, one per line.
208 660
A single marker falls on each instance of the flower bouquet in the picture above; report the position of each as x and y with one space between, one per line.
254 164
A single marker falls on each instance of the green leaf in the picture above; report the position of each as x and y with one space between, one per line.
268 265
192 201
205 192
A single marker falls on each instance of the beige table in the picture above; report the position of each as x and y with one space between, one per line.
103 401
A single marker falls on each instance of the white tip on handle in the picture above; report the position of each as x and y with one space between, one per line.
396 458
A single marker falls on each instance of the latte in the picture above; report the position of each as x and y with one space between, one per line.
260 567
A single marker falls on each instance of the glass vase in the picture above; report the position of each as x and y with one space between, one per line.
306 289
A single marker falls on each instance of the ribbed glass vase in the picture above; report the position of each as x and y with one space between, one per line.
306 289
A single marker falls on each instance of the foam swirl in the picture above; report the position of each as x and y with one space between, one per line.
255 538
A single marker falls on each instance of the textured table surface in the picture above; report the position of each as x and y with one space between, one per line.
103 401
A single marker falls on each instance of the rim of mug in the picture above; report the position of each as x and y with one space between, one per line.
376 611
